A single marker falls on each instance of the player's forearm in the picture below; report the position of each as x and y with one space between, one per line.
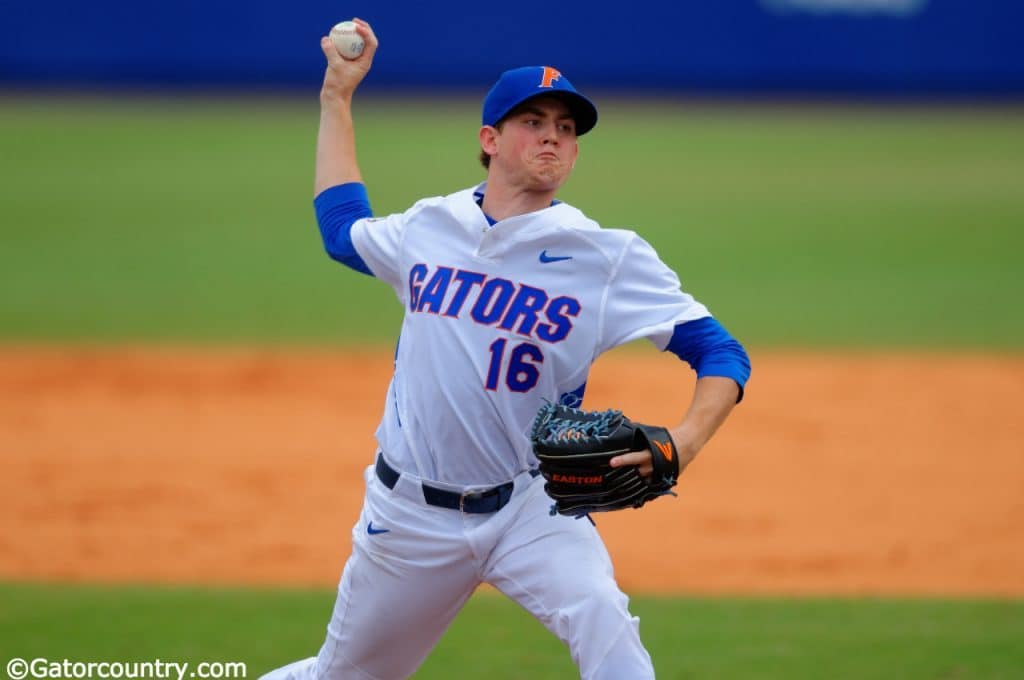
713 401
336 143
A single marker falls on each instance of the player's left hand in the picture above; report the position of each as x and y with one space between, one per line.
644 459
575 448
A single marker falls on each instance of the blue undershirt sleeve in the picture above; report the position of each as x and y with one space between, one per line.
337 209
711 351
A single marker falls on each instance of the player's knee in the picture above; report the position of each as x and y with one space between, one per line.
596 616
604 637
623 657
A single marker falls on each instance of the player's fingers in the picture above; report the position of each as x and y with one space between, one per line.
633 458
364 29
330 51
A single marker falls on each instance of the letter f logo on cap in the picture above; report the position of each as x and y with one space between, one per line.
549 76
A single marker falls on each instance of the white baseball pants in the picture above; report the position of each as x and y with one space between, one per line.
404 584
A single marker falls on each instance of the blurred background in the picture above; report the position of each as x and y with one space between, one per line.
841 181
857 163
937 47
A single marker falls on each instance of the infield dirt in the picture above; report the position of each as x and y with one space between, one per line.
843 474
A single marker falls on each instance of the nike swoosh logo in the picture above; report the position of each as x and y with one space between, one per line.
545 258
370 530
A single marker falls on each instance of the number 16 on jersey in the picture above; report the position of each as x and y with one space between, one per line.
522 371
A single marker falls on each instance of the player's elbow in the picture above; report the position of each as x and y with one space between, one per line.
727 359
350 259
710 350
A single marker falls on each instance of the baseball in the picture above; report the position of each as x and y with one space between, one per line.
349 43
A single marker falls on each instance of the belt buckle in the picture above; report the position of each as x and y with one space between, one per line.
469 494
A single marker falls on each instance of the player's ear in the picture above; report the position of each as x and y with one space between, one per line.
575 153
489 139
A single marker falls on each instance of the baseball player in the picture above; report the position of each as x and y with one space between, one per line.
509 296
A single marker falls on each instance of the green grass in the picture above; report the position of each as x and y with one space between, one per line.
191 219
687 637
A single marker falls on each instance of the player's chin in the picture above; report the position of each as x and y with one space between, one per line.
546 184
551 176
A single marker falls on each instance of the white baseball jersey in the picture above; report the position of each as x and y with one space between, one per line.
499 319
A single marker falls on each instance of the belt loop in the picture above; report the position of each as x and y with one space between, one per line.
505 496
385 473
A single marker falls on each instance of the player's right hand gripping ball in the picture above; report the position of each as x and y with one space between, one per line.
575 449
347 40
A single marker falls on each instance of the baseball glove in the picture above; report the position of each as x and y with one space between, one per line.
575 448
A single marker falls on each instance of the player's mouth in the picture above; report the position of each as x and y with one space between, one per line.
547 156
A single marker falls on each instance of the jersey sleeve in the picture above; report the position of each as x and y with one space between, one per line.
644 299
337 208
378 240
711 351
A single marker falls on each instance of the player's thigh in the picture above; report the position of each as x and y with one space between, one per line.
555 558
559 570
400 589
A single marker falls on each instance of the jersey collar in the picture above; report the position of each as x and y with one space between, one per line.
492 242
478 193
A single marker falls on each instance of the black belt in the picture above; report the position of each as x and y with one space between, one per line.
476 502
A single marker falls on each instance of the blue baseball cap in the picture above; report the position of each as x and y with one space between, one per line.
520 84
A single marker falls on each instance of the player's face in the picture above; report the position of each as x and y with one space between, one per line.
536 147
